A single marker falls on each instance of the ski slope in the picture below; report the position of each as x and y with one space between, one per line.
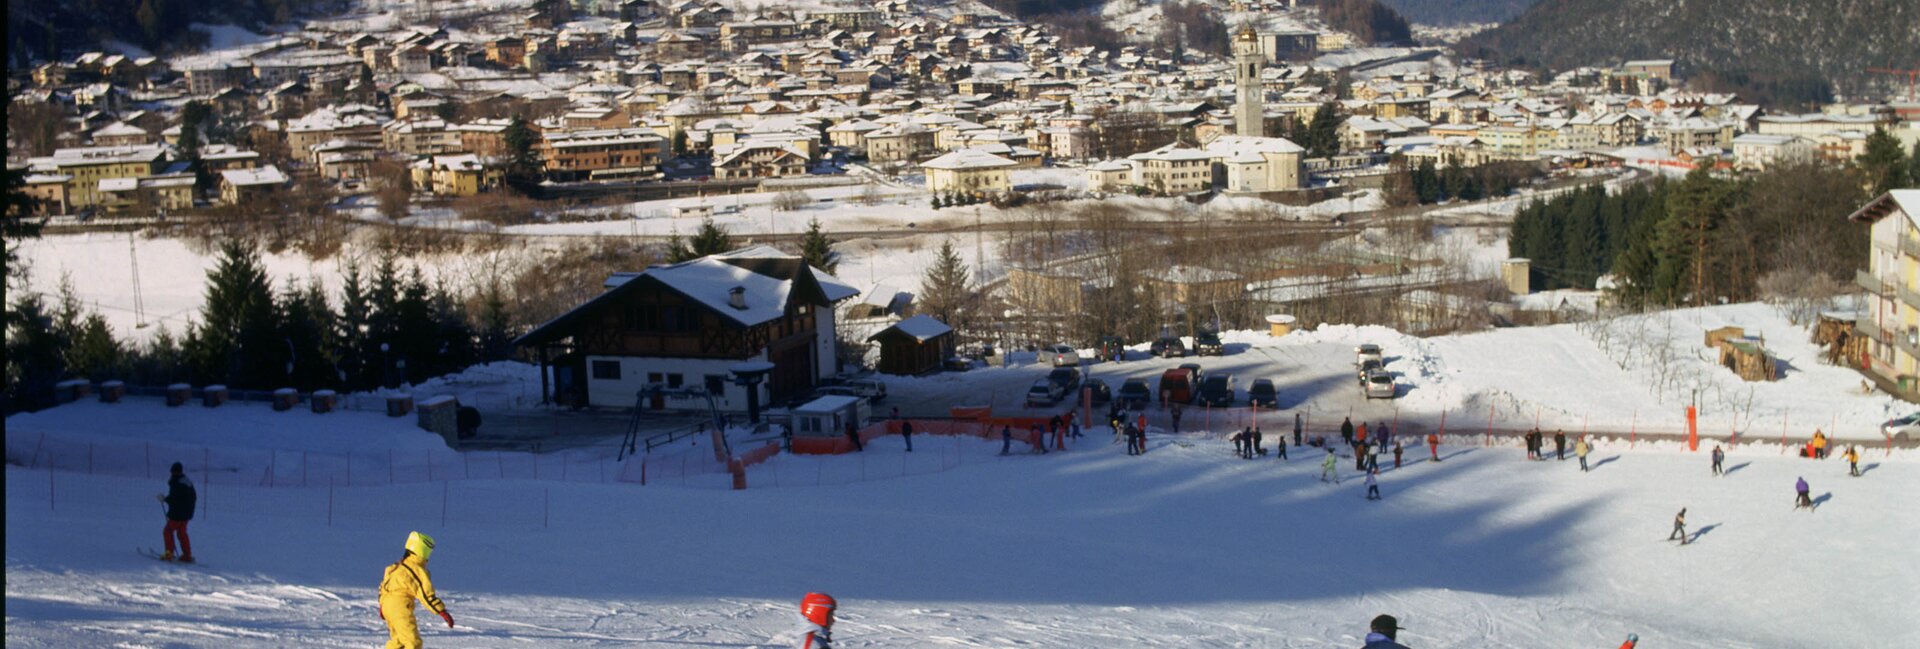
1184 547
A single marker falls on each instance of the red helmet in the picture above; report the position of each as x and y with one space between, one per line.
818 608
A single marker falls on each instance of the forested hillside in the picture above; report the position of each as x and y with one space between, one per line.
43 30
1773 51
1458 12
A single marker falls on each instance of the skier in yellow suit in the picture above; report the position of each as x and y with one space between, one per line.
405 581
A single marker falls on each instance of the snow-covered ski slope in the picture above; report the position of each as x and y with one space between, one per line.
1184 547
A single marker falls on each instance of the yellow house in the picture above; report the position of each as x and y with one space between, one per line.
1891 320
90 165
455 175
968 170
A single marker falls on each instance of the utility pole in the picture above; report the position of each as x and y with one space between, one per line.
139 306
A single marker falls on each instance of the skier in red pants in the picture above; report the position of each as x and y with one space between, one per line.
180 500
1433 446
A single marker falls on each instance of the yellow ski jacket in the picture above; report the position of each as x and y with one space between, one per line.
405 581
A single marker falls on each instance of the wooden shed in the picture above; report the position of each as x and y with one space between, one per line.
1834 331
913 346
1716 336
1748 358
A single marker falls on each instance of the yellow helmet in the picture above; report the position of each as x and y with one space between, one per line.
420 545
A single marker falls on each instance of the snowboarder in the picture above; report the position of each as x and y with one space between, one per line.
906 433
1296 429
1719 456
1582 448
1346 431
1679 527
1433 446
1006 439
1633 640
1373 485
816 621
1801 489
853 436
1384 633
1396 455
1853 461
180 500
1328 468
405 581
1560 445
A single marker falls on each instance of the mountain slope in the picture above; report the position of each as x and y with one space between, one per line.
1458 12
1785 48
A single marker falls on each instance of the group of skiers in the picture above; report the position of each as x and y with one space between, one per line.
1536 445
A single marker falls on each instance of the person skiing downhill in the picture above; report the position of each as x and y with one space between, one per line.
1679 527
1373 485
1719 456
1801 489
1384 633
1328 468
180 500
1580 450
816 621
1853 461
405 581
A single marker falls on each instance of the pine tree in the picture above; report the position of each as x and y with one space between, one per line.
816 249
711 239
1584 239
1426 182
677 250
1691 261
943 289
236 340
523 162
94 353
35 353
1883 163
1323 133
351 328
496 342
307 326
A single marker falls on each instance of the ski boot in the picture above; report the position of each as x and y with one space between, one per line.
168 556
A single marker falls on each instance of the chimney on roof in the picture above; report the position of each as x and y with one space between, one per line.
737 297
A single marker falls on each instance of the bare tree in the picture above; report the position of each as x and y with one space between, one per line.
790 200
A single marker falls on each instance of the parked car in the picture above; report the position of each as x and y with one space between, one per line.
1199 375
1045 393
1364 353
1379 385
956 364
1370 366
1169 347
1906 427
1135 394
1062 355
1262 394
1100 392
1113 349
1217 391
1067 377
872 389
1207 343
1177 386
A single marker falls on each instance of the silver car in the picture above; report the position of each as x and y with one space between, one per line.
1379 385
1062 355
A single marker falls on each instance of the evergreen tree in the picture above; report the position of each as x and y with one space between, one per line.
816 249
935 202
352 326
496 342
1692 264
711 239
1426 182
1323 132
944 288
1883 163
235 341
35 354
1585 240
677 250
1453 182
15 227
307 326
523 161
94 354
1913 166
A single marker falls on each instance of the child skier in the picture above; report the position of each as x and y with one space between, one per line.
1580 449
1853 461
1282 448
405 581
1373 485
180 501
1800 487
1679 527
1327 468
816 621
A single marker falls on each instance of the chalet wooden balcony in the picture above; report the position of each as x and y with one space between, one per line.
1866 327
1888 287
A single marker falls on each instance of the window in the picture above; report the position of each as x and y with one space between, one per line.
606 370
655 377
675 380
716 385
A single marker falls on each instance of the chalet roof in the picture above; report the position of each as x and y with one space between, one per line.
921 328
771 280
1903 200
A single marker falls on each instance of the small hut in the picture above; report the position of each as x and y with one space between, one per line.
1835 332
1748 358
1716 336
913 346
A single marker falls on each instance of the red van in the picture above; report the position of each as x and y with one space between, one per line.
1176 386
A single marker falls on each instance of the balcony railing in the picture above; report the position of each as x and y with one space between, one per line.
1905 343
1868 281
